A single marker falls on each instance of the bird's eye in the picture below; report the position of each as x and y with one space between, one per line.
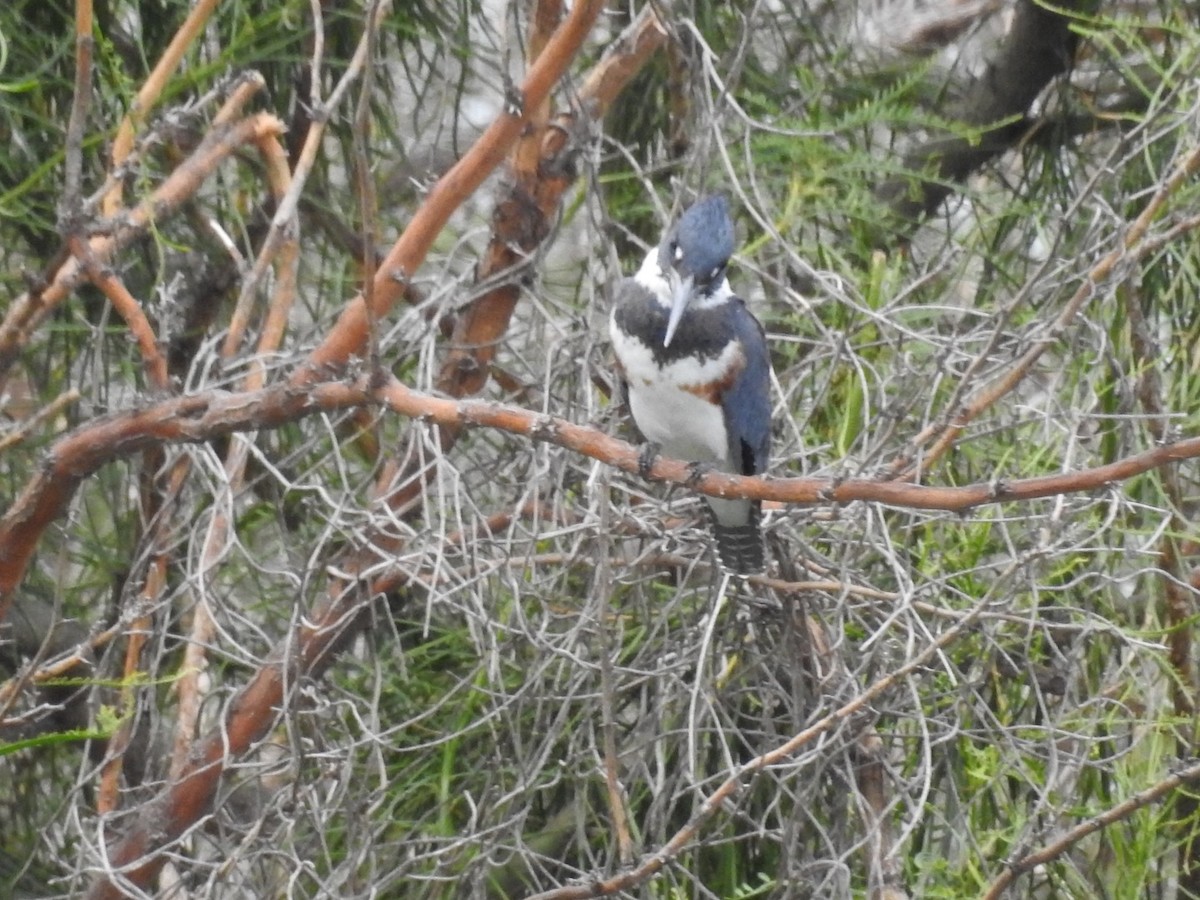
678 252
716 273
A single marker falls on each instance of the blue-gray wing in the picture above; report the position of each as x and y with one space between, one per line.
747 402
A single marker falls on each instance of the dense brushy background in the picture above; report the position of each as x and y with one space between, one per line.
458 747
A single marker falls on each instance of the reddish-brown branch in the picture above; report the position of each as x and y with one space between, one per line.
249 85
207 416
286 260
178 420
130 311
624 456
151 90
348 337
542 171
544 18
31 308
624 59
1187 775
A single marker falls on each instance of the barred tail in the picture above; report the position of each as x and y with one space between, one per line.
740 547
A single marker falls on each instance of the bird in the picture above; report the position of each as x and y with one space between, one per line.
694 370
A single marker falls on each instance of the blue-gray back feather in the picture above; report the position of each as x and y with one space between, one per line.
747 403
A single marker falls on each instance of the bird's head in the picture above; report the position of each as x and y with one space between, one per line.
694 253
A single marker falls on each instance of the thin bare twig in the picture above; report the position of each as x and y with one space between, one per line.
739 780
1131 250
1064 842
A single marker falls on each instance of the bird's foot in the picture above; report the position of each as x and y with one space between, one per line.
646 458
696 471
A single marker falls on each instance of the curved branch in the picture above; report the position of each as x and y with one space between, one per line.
31 308
190 419
349 335
214 414
130 311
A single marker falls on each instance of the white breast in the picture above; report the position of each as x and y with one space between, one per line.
686 426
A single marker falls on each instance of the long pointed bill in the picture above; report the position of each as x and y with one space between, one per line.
683 293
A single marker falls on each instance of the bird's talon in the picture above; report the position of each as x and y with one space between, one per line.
696 471
647 457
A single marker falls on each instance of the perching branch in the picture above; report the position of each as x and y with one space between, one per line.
210 415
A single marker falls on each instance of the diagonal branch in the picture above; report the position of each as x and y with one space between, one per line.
349 336
151 90
740 779
32 307
1134 246
1186 775
542 169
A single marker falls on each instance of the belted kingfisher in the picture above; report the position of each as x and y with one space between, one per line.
694 367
